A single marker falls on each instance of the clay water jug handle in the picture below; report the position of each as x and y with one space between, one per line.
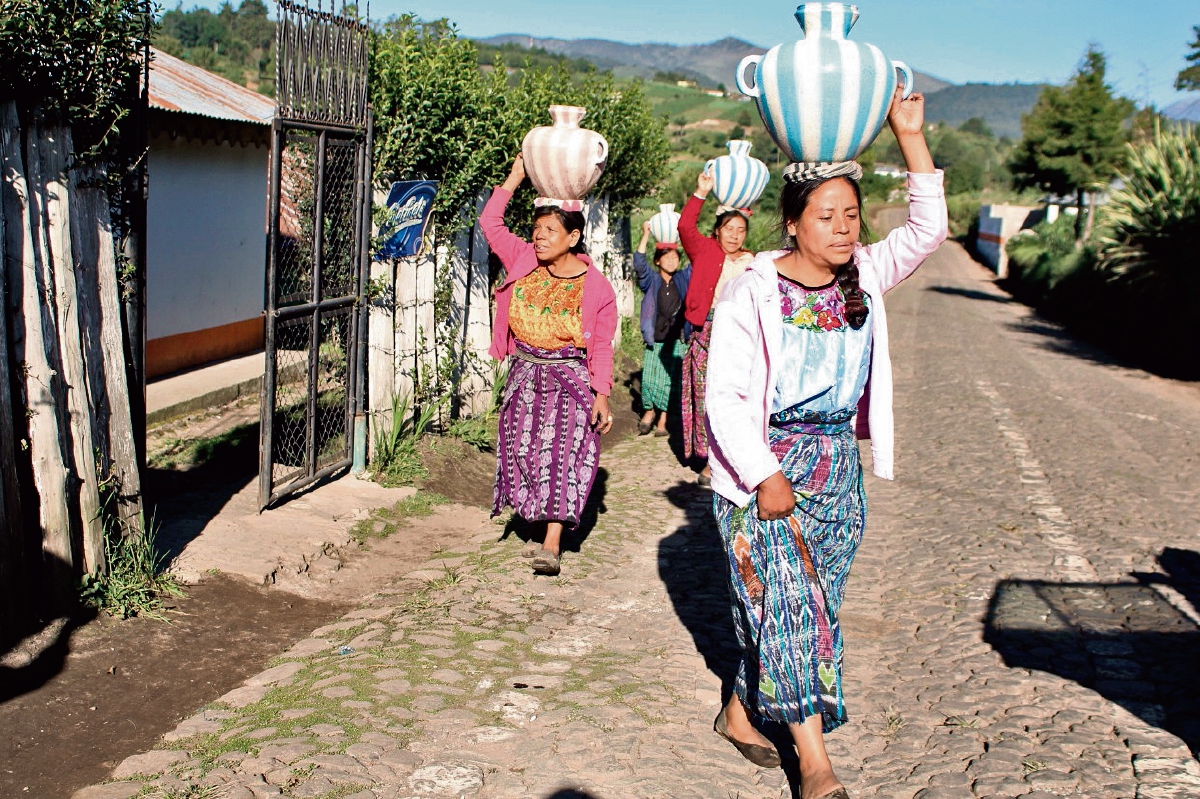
708 166
739 77
908 78
600 159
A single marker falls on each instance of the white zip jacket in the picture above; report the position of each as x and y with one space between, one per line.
747 333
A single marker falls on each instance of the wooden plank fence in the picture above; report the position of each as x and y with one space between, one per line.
65 421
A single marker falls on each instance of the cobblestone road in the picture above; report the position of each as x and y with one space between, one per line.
1020 620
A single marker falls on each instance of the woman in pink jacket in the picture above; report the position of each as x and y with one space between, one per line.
556 315
794 340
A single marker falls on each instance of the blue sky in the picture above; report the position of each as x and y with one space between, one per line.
959 40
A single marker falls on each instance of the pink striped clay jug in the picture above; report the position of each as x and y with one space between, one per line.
564 161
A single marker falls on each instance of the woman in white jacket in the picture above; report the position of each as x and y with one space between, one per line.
799 354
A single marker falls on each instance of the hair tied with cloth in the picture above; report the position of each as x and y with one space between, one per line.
564 205
666 245
804 171
725 209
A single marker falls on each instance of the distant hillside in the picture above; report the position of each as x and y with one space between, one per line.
1184 110
1000 105
707 64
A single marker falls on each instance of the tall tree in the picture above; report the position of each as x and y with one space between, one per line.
1074 138
1188 79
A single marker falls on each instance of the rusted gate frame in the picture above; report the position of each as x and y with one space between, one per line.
333 108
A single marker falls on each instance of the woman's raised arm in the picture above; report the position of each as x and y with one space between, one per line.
508 246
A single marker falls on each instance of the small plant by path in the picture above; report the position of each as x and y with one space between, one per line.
397 461
134 583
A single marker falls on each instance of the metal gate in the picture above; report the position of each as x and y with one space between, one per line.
317 242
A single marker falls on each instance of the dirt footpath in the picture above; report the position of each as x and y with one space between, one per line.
78 698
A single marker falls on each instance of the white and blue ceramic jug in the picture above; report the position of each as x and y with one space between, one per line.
823 98
664 225
738 179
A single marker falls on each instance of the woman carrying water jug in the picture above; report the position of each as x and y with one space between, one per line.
716 260
556 315
794 340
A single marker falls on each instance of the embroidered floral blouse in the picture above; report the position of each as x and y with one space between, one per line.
547 311
827 361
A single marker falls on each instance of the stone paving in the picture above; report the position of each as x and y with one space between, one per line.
1020 620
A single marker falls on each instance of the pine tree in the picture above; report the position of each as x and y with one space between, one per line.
1074 138
1188 79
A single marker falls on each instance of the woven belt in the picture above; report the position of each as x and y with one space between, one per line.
529 357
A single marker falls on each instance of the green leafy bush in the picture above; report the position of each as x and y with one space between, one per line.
480 430
133 582
1039 258
1151 226
963 211
76 61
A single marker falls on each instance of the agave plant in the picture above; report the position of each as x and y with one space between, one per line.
1151 226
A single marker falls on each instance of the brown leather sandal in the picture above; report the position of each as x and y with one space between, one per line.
546 562
836 793
761 756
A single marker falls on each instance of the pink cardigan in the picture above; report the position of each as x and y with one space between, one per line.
599 299
747 334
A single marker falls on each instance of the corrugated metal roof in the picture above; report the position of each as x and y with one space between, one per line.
176 85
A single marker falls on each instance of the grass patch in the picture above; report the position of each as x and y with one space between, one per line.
451 576
182 454
384 521
134 583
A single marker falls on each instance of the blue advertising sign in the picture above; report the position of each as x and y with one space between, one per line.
410 202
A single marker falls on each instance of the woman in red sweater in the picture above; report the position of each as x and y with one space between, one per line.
716 260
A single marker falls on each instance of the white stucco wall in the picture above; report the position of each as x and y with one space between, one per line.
206 235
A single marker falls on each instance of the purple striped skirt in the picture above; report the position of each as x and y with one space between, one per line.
547 452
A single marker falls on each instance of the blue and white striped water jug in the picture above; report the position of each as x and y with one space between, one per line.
823 98
664 225
738 179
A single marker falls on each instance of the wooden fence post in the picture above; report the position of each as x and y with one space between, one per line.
100 320
56 149
35 351
13 588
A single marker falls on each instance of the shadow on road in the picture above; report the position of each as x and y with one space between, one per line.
1126 641
41 656
692 565
1102 347
572 537
183 501
972 294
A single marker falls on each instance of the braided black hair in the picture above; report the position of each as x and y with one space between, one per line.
793 199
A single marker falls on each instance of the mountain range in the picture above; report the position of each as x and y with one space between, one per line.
709 65
713 64
1000 105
